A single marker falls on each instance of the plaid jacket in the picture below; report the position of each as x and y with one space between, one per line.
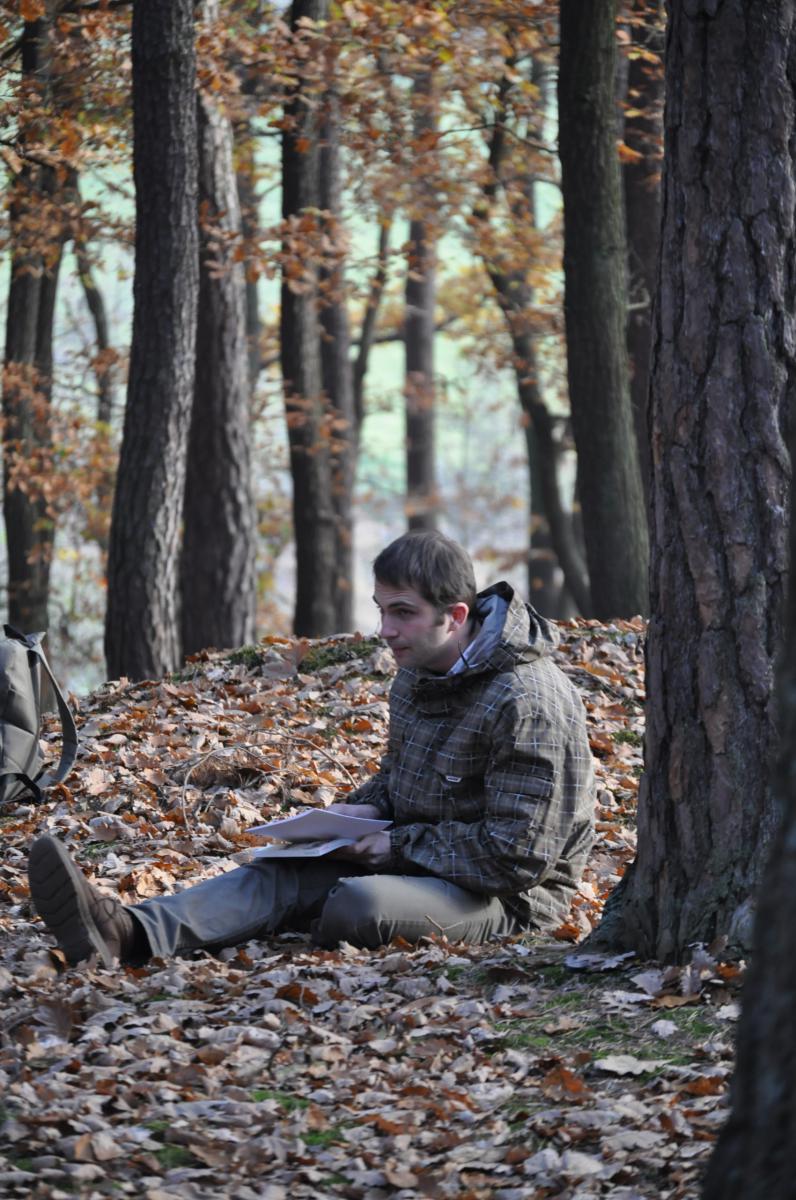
488 773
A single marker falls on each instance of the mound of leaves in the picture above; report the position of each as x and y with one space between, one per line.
526 1068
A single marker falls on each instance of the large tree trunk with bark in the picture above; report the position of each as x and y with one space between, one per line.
37 238
338 383
722 385
422 500
642 134
595 305
755 1157
141 628
218 550
307 418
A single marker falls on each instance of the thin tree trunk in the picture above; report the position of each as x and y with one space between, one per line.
27 374
336 370
218 551
368 332
422 501
515 298
723 366
643 134
98 517
247 196
595 305
141 628
308 432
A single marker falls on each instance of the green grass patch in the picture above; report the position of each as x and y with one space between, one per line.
22 1164
285 1099
322 1137
175 1156
342 652
629 736
247 656
95 850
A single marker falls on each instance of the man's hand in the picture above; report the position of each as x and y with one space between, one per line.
356 810
372 850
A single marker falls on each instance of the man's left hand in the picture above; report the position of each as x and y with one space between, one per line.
372 850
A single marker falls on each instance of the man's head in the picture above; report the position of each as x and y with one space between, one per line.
434 565
425 590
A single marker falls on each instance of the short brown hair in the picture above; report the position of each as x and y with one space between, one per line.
431 563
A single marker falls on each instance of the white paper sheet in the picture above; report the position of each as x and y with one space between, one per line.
319 823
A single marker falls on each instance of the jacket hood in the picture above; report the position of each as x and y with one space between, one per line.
511 631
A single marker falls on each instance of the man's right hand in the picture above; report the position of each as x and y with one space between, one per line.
357 810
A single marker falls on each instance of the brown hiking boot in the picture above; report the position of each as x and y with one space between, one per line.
82 920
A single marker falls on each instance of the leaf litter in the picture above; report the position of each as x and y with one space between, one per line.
520 1070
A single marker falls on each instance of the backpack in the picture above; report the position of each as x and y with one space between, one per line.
22 662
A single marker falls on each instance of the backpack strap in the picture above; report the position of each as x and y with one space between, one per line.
68 729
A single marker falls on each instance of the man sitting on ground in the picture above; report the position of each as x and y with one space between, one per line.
487 780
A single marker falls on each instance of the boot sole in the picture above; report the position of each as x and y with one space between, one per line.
58 891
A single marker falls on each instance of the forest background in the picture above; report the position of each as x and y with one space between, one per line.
407 126
394 174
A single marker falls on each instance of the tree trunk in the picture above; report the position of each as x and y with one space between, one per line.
722 371
550 522
141 628
754 1158
336 370
308 432
218 550
422 500
595 305
367 335
642 135
37 239
244 141
98 513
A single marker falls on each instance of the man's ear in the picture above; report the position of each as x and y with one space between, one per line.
459 613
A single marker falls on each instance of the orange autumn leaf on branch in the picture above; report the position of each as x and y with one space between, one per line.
31 10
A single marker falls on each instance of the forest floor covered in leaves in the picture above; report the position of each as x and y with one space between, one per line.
526 1069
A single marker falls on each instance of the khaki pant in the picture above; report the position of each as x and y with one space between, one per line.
336 901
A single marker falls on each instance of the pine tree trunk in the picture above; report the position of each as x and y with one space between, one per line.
422 501
308 432
642 134
141 628
336 370
722 385
27 374
755 1156
595 305
218 550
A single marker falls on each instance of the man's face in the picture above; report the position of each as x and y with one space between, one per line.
416 633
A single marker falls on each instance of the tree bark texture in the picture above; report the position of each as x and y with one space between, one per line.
595 306
643 133
27 375
422 499
141 629
300 340
338 383
722 385
219 526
